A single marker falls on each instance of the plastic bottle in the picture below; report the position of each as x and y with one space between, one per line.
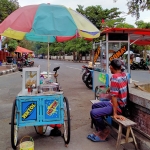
41 80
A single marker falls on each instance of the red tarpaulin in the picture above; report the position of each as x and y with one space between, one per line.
22 50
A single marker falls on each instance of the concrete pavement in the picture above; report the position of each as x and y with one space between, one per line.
78 97
5 69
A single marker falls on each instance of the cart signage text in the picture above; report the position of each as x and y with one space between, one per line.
52 108
118 54
29 110
97 54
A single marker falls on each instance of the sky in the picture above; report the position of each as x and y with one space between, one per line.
121 4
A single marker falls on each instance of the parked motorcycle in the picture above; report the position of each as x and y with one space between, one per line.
28 63
87 76
85 71
134 66
141 65
89 80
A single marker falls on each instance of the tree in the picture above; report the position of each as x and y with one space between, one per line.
143 25
124 25
135 6
7 7
26 44
11 43
96 14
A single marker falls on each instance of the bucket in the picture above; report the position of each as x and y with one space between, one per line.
27 145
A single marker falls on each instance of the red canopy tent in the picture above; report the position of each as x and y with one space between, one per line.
22 50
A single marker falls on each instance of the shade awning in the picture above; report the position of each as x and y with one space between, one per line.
137 36
22 50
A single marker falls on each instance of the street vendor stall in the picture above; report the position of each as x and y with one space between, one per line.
24 57
116 42
41 101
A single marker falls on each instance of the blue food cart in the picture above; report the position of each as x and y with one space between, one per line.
43 105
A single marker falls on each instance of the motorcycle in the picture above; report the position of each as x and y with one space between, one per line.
85 71
141 65
87 76
89 80
28 63
134 66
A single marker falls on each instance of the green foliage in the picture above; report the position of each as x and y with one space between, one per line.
7 7
125 25
26 44
11 44
143 25
96 13
135 6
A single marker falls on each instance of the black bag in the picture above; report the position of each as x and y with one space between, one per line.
126 111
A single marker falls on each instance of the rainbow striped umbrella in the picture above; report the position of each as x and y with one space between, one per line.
47 23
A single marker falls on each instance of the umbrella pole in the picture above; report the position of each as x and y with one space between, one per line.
48 65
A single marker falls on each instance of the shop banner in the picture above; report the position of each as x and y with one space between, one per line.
119 53
97 54
52 109
102 78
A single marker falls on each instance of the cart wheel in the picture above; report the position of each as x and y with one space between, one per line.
66 125
14 127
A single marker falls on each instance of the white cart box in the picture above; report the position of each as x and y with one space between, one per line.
30 76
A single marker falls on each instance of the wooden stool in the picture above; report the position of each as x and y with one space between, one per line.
128 124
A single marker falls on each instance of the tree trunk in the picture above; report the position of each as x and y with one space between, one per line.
63 55
73 56
90 55
85 57
80 57
59 55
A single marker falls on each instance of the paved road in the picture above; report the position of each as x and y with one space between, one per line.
76 92
137 75
74 89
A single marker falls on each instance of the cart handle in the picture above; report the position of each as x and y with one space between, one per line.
26 137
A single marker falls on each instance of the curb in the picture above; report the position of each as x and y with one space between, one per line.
8 71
